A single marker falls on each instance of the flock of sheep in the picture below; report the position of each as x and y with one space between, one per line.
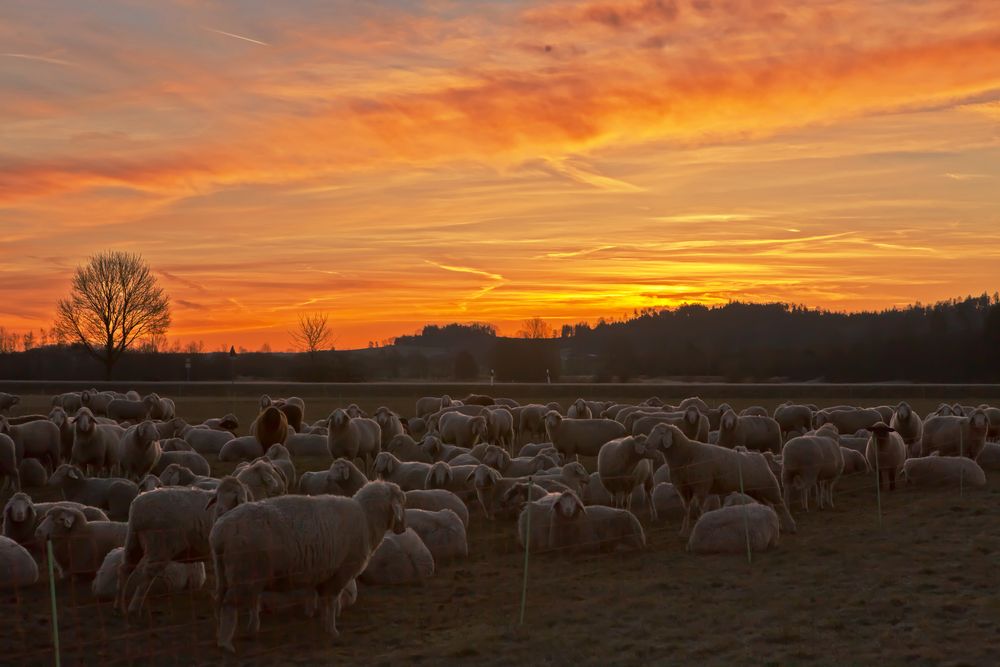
142 513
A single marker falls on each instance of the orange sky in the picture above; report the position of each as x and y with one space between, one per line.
405 162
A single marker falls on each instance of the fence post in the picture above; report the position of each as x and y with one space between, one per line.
878 480
527 544
55 616
961 470
746 512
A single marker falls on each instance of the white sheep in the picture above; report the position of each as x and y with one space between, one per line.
885 454
262 478
177 474
308 444
343 478
625 465
955 436
442 531
667 501
405 448
10 474
534 522
434 500
280 457
847 419
228 422
497 458
113 494
61 419
792 417
174 578
17 568
576 527
573 437
428 405
320 542
734 529
97 401
409 475
579 410
21 517
854 462
811 462
907 423
79 545
191 460
140 448
69 401
762 434
354 437
455 428
389 423
95 446
988 459
500 427
36 439
242 448
935 470
124 409
206 440
400 559
698 470
7 401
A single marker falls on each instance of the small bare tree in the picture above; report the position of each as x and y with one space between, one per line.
314 333
114 303
536 327
8 341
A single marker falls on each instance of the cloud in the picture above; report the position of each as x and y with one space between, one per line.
234 35
465 269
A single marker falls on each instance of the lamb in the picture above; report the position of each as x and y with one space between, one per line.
462 430
123 409
576 527
734 529
624 465
342 479
935 470
761 434
308 444
243 448
279 456
191 460
95 446
885 454
270 427
574 437
79 545
37 440
140 449
791 417
811 462
262 479
113 494
354 437
399 559
854 462
434 500
955 436
10 474
319 542
428 405
846 419
698 470
175 577
410 475
443 532
907 424
176 474
389 423
579 410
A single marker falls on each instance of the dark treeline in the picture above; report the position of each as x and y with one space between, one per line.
953 341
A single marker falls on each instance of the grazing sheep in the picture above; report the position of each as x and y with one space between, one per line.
811 462
175 577
491 490
70 402
113 494
988 459
698 470
243 448
576 527
354 437
907 424
262 479
625 465
443 532
454 478
291 542
529 422
434 500
579 410
409 475
400 559
734 529
308 444
854 462
191 460
270 427
79 545
847 419
573 437
37 440
935 470
762 434
205 441
342 479
955 436
123 409
792 417
140 449
389 423
159 408
885 454
428 405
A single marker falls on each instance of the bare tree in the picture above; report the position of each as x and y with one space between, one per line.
115 301
8 341
314 333
536 327
29 341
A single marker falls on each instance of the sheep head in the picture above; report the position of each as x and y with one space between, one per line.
85 422
978 421
439 476
729 421
385 464
64 472
230 493
146 434
903 410
339 419
432 445
59 521
20 508
569 505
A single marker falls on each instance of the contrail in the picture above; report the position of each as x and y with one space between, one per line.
230 34
41 59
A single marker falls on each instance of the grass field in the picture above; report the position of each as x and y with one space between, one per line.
918 590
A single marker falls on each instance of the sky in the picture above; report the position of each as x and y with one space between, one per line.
405 162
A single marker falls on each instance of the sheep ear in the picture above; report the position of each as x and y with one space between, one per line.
67 520
73 473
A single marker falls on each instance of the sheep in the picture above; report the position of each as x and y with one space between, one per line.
282 459
491 490
175 445
698 470
533 449
792 417
159 408
61 419
691 422
320 542
885 411
579 410
761 434
32 474
463 430
10 474
576 527
354 437
308 444
37 440
885 454
389 423
270 427
443 532
228 422
113 494
243 448
405 448
735 499
534 522
417 426
342 479
96 401
715 415
293 408
79 545
754 411
529 422
95 446
7 401
854 462
205 441
175 577
123 409
734 529
936 470
907 423
847 419
624 465
993 414
17 567
988 459
410 475
140 448
572 476
400 559
500 427
811 462
262 479
70 402
175 474
191 460
574 437
229 493
434 500
21 517
955 436
666 501
428 405
454 478
496 457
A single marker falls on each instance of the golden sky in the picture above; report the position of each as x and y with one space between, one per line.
402 162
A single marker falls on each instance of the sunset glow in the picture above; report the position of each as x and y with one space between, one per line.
407 162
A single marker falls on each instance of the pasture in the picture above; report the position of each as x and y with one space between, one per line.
919 589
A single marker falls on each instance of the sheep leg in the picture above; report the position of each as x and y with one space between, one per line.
892 479
253 622
227 627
